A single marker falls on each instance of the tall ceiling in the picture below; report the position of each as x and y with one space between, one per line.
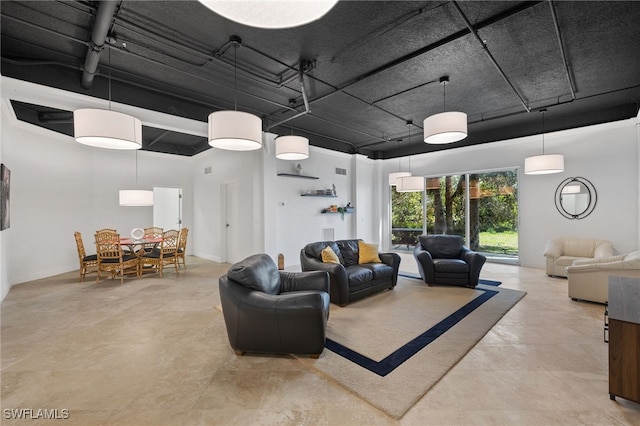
350 81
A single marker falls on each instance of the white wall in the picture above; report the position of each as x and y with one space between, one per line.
298 220
606 154
209 209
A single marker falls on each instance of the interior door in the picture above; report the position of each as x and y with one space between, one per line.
167 208
231 224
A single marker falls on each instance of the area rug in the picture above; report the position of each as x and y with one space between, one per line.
391 348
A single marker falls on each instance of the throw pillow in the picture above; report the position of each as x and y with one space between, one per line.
329 256
368 253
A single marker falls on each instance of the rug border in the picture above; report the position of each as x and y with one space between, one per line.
402 354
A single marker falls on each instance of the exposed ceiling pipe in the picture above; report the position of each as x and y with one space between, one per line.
491 58
104 16
562 52
307 110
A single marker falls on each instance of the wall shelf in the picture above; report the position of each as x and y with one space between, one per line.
298 176
319 195
336 212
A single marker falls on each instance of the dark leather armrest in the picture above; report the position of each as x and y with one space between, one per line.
300 281
475 261
339 287
393 260
425 263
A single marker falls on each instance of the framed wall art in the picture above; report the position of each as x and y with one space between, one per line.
5 185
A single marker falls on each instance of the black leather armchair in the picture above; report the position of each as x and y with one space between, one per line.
443 259
270 311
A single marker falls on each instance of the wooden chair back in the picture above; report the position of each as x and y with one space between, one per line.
169 244
88 264
108 247
182 246
110 256
153 231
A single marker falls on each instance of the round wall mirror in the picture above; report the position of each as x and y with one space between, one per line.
576 198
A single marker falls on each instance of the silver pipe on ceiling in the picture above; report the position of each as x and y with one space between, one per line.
307 110
104 16
567 70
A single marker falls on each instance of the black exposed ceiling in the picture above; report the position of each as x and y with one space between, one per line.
367 67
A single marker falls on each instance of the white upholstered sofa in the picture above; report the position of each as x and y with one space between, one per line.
589 279
562 252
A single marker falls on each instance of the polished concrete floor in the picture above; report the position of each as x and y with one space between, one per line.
154 352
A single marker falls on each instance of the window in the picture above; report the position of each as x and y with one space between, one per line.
406 218
485 213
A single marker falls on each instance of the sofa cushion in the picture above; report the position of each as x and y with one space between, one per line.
315 249
567 260
329 256
368 253
451 266
257 272
442 246
380 270
358 275
349 250
579 247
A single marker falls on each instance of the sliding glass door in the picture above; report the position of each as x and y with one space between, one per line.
496 198
406 219
481 207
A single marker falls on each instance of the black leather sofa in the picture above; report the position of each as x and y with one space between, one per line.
351 281
443 259
270 311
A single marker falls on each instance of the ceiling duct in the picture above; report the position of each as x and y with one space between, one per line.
104 15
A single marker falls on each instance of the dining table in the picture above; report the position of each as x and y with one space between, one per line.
142 243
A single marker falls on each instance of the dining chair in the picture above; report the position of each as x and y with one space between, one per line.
88 263
151 232
111 257
113 231
165 254
182 247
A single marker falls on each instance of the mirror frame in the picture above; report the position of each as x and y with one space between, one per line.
591 191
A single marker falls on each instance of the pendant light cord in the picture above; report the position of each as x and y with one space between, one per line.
136 167
409 123
543 111
109 73
235 76
444 97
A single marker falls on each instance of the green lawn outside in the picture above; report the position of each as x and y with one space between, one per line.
499 242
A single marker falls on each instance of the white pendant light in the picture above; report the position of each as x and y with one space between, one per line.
292 148
410 183
546 163
271 14
393 177
235 130
135 198
445 127
103 128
